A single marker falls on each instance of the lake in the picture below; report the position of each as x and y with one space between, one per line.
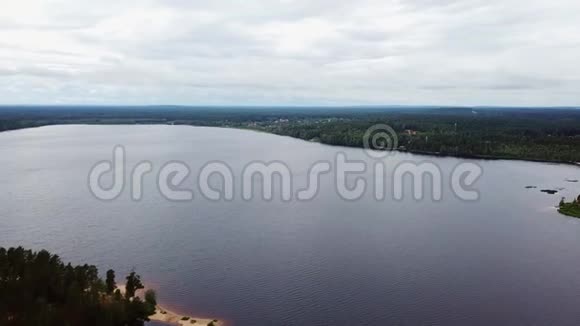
508 258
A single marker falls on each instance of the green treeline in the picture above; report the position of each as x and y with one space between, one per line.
37 288
539 136
548 134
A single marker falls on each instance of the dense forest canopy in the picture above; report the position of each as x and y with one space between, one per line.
550 134
37 288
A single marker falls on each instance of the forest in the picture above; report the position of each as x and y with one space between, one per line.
537 136
37 288
544 134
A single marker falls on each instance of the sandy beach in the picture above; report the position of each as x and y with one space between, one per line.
170 317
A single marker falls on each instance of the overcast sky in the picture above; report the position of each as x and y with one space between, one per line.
268 52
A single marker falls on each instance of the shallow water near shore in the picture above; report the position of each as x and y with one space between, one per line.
508 258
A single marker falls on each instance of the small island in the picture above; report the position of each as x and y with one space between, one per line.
570 208
549 191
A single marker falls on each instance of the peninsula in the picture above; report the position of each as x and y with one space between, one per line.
570 208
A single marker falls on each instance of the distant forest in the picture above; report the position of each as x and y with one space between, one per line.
544 134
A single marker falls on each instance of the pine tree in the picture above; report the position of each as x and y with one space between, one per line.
110 281
133 285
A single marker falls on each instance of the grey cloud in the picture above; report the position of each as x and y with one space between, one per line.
35 72
509 52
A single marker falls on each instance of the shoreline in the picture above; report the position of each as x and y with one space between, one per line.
416 152
438 154
169 317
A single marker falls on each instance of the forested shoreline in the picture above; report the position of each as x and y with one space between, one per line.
538 134
37 288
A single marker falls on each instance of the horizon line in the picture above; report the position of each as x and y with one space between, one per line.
265 106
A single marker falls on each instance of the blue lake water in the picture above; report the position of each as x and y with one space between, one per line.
507 259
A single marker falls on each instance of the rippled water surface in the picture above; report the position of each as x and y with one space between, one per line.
507 259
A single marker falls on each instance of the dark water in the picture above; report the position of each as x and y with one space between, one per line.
507 259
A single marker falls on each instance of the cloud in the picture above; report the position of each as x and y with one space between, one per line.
469 52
